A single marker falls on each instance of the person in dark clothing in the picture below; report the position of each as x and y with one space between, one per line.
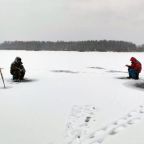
134 69
17 69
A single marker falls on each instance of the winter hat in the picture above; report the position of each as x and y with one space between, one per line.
133 59
18 60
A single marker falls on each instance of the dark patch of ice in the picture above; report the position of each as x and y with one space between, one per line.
116 71
97 68
64 71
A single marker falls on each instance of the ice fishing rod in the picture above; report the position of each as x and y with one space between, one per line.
2 77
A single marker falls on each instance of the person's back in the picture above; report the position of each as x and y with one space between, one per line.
17 69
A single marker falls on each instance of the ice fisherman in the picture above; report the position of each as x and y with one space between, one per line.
134 69
17 69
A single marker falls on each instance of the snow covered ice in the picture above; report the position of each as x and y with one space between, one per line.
71 98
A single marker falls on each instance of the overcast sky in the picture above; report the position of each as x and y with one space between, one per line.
53 20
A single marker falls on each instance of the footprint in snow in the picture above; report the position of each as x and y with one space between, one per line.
98 136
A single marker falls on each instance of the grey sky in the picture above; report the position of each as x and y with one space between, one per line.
72 20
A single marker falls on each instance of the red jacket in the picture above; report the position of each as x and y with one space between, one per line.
136 65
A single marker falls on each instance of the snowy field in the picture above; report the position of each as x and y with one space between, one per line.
71 98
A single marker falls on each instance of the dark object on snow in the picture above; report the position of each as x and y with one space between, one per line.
87 119
2 78
123 78
134 69
17 69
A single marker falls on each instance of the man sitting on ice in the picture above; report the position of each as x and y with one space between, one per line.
134 69
17 69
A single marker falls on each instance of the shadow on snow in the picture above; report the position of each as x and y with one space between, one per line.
132 83
7 87
136 84
26 80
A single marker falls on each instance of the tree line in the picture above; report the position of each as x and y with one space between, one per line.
91 45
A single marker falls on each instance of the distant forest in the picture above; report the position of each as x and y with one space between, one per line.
82 46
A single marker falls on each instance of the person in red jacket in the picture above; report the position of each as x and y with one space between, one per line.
134 69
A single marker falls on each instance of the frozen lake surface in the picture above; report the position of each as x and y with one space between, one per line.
71 98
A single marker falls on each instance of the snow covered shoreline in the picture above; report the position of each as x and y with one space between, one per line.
62 82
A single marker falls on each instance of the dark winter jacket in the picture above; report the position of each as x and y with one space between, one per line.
135 64
16 67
